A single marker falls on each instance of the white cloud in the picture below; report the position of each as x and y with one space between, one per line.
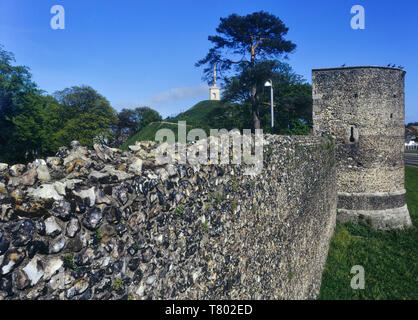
168 97
177 94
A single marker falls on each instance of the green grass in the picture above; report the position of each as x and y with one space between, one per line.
205 227
69 261
148 133
389 258
200 113
179 211
204 115
117 284
208 114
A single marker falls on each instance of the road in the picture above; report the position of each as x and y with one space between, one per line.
411 159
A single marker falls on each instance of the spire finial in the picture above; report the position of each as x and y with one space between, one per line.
214 91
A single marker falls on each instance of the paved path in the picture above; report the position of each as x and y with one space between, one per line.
411 159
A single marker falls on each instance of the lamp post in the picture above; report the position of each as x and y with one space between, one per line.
269 83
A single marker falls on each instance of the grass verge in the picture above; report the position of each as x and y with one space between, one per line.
389 258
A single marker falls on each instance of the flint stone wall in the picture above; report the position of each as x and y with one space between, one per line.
107 224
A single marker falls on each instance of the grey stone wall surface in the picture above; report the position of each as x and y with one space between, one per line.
107 224
363 109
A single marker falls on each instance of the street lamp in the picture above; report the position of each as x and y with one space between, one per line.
269 83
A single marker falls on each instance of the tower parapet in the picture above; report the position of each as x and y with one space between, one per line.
363 108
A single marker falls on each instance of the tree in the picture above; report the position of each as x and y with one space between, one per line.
86 115
292 94
127 122
35 127
130 121
145 116
21 105
34 124
251 39
133 120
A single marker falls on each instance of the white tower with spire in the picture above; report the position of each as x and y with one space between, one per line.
214 91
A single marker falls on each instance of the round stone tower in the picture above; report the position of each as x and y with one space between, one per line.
363 108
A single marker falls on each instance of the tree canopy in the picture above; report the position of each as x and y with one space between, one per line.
246 43
292 96
21 106
86 114
131 121
34 124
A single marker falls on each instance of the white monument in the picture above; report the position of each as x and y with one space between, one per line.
214 91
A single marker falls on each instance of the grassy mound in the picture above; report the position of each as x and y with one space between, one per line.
205 115
201 113
389 258
148 133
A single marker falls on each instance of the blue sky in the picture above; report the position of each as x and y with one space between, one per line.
143 52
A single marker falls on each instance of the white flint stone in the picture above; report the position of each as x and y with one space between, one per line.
150 280
135 148
123 270
17 169
54 161
52 267
45 191
36 163
60 187
57 246
171 170
6 269
79 154
89 193
163 174
70 184
84 238
51 226
195 275
140 291
57 281
34 271
136 166
122 175
152 175
98 175
78 288
4 167
106 261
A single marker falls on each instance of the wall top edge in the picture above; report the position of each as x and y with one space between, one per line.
356 67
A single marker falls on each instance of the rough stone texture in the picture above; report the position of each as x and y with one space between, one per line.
396 218
363 109
173 231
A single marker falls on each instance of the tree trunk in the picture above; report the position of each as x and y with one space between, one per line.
255 110
254 102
